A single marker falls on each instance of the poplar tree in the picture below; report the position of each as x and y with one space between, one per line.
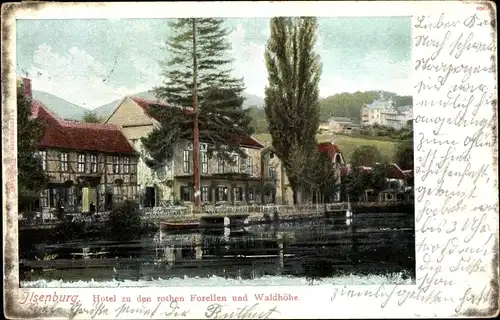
31 178
291 97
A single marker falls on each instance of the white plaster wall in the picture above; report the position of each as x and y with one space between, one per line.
147 177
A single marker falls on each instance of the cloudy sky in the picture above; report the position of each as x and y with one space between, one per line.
92 62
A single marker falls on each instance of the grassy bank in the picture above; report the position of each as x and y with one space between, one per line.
346 144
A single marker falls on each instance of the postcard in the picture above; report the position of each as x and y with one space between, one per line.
250 160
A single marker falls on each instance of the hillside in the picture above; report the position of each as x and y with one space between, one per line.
349 104
59 106
346 144
253 101
105 110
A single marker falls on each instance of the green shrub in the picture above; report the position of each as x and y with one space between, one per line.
68 230
125 220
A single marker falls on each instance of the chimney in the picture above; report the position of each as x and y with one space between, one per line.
27 87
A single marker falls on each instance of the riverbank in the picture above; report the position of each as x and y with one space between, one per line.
376 207
400 278
271 215
377 243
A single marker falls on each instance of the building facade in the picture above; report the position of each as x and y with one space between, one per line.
274 171
341 125
383 112
220 182
89 165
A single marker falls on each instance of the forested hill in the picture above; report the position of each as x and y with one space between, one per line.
339 105
350 104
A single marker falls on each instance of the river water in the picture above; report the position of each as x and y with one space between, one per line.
370 251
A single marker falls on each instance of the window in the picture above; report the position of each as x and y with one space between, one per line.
93 163
204 193
116 164
251 194
185 161
243 165
271 155
221 166
126 164
238 196
43 158
235 163
221 193
44 198
185 193
272 173
250 166
81 162
63 157
204 163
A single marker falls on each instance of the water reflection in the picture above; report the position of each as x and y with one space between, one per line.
314 249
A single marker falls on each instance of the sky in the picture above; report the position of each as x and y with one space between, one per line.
91 62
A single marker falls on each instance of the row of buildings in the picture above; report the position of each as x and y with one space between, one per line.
381 111
338 125
384 112
102 164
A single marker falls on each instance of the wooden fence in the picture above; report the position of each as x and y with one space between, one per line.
157 213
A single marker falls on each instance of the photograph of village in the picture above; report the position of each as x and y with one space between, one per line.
215 151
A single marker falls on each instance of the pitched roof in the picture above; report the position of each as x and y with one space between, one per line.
379 104
74 135
342 119
393 171
329 147
145 104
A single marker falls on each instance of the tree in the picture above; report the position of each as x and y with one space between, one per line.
324 177
31 177
359 180
366 155
291 96
206 99
125 221
404 155
377 177
259 121
355 183
91 117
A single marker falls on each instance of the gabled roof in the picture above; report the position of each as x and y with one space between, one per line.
342 119
64 134
379 104
393 171
145 105
329 147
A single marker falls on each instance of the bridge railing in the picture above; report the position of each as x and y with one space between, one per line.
162 212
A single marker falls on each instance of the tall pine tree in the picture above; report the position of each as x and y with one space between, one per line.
291 97
31 178
198 74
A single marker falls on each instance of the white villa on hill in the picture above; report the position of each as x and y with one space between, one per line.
385 113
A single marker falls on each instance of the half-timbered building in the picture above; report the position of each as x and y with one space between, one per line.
89 165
